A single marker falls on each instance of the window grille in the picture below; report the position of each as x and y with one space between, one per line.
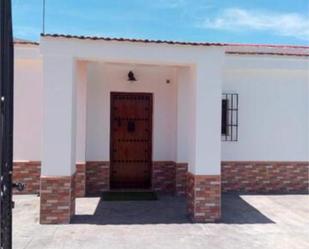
229 123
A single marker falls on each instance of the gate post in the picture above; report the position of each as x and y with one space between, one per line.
6 126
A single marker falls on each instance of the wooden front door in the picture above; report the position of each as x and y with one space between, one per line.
131 140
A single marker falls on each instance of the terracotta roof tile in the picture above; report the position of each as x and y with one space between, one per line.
240 49
174 42
22 41
133 40
267 53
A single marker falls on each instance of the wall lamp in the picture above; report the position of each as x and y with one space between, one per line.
131 77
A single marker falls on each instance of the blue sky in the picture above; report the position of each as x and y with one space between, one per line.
236 21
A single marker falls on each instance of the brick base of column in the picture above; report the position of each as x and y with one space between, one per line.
204 197
57 199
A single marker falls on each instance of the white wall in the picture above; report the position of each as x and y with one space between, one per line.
206 137
273 110
273 93
104 78
27 108
185 115
28 100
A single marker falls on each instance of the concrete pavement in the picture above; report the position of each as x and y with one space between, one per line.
249 222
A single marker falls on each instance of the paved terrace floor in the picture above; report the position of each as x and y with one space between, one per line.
249 222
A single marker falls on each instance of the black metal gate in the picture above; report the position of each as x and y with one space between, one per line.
6 123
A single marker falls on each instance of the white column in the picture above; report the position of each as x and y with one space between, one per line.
208 91
59 116
81 92
183 110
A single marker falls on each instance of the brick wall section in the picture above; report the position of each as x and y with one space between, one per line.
29 173
97 177
190 194
73 196
93 177
204 197
168 177
57 200
80 180
181 179
265 177
163 176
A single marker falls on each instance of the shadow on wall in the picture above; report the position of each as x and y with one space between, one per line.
167 210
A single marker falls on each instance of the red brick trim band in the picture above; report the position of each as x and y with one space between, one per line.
181 178
247 177
163 176
204 197
93 177
97 177
169 177
80 180
28 173
57 199
265 177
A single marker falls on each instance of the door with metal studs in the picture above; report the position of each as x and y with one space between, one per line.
131 140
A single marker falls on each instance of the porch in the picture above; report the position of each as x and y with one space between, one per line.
90 145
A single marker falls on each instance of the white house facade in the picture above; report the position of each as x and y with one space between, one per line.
95 114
